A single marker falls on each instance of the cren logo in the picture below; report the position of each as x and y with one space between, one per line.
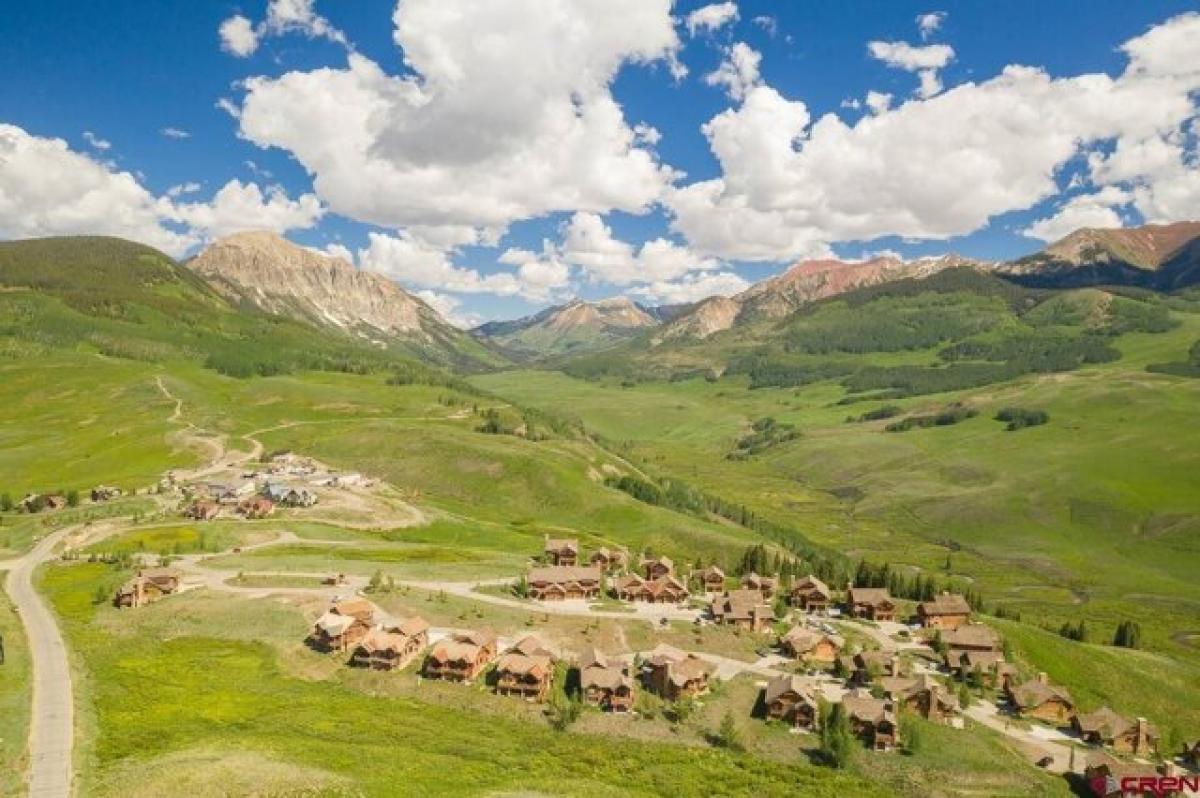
1158 786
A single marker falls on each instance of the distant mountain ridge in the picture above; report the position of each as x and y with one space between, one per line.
577 326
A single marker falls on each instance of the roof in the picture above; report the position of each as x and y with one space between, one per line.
380 639
811 583
408 627
523 665
664 653
628 581
483 637
353 606
561 544
864 707
803 638
974 634
782 685
561 574
945 604
872 596
711 572
465 646
595 670
670 565
334 624
763 581
688 670
530 646
979 659
740 604
1035 693
1108 724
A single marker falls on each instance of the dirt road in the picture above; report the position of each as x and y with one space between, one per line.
51 732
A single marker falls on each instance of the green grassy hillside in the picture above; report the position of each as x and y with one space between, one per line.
123 299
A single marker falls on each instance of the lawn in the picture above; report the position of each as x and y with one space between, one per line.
14 698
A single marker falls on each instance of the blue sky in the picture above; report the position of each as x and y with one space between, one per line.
494 155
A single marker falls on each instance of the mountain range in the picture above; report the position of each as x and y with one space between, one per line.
266 274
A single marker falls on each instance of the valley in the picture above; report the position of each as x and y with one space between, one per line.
765 445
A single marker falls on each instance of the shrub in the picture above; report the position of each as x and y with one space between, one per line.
1019 418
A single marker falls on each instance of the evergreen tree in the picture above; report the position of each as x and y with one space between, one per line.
728 735
6 502
837 741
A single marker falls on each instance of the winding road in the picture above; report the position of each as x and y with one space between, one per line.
52 721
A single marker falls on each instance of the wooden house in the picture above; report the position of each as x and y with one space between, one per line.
663 590
802 642
871 719
609 560
391 644
562 582
343 626
462 657
810 594
1042 700
674 674
744 609
872 603
1128 736
1105 776
561 551
526 670
711 579
988 667
789 700
972 637
657 567
149 585
923 695
946 611
605 683
767 586
284 495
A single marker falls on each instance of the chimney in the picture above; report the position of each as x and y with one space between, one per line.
1043 678
1143 738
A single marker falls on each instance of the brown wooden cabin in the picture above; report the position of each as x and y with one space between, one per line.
674 674
526 670
872 603
657 567
802 642
561 551
946 611
871 719
149 585
768 586
744 609
343 626
1042 700
789 700
462 657
606 683
811 595
711 579
562 582
1128 736
391 644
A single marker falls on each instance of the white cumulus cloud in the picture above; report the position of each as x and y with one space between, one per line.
1085 210
709 18
738 71
46 189
241 37
944 166
472 135
692 288
928 24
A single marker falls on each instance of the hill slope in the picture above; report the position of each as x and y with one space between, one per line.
127 300
575 327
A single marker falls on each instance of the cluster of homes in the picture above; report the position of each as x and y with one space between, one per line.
526 669
248 498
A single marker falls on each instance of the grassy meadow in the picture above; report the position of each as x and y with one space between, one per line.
15 695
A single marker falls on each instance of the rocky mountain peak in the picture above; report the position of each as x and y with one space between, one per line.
280 277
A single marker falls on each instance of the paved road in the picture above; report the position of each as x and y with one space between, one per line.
52 726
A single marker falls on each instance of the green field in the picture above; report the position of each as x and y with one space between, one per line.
14 698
